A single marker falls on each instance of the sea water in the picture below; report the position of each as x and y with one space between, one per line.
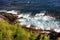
39 20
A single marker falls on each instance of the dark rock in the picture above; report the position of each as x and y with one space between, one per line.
56 15
9 16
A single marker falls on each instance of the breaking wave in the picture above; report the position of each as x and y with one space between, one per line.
40 20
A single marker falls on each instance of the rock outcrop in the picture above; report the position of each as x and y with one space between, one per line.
8 16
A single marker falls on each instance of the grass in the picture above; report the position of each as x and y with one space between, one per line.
16 32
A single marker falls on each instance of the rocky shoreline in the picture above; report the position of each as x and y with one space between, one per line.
9 17
12 18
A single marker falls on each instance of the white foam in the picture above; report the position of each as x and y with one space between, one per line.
41 22
45 18
57 30
49 18
28 25
26 15
21 15
40 14
12 11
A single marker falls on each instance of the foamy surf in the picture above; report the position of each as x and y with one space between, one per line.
40 20
11 11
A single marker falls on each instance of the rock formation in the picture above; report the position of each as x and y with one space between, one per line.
8 16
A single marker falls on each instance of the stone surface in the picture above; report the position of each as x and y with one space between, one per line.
8 16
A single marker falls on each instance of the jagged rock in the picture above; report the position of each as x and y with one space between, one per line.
9 16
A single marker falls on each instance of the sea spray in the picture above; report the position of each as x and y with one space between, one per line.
12 11
41 21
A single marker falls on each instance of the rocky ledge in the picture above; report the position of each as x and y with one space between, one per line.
8 16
